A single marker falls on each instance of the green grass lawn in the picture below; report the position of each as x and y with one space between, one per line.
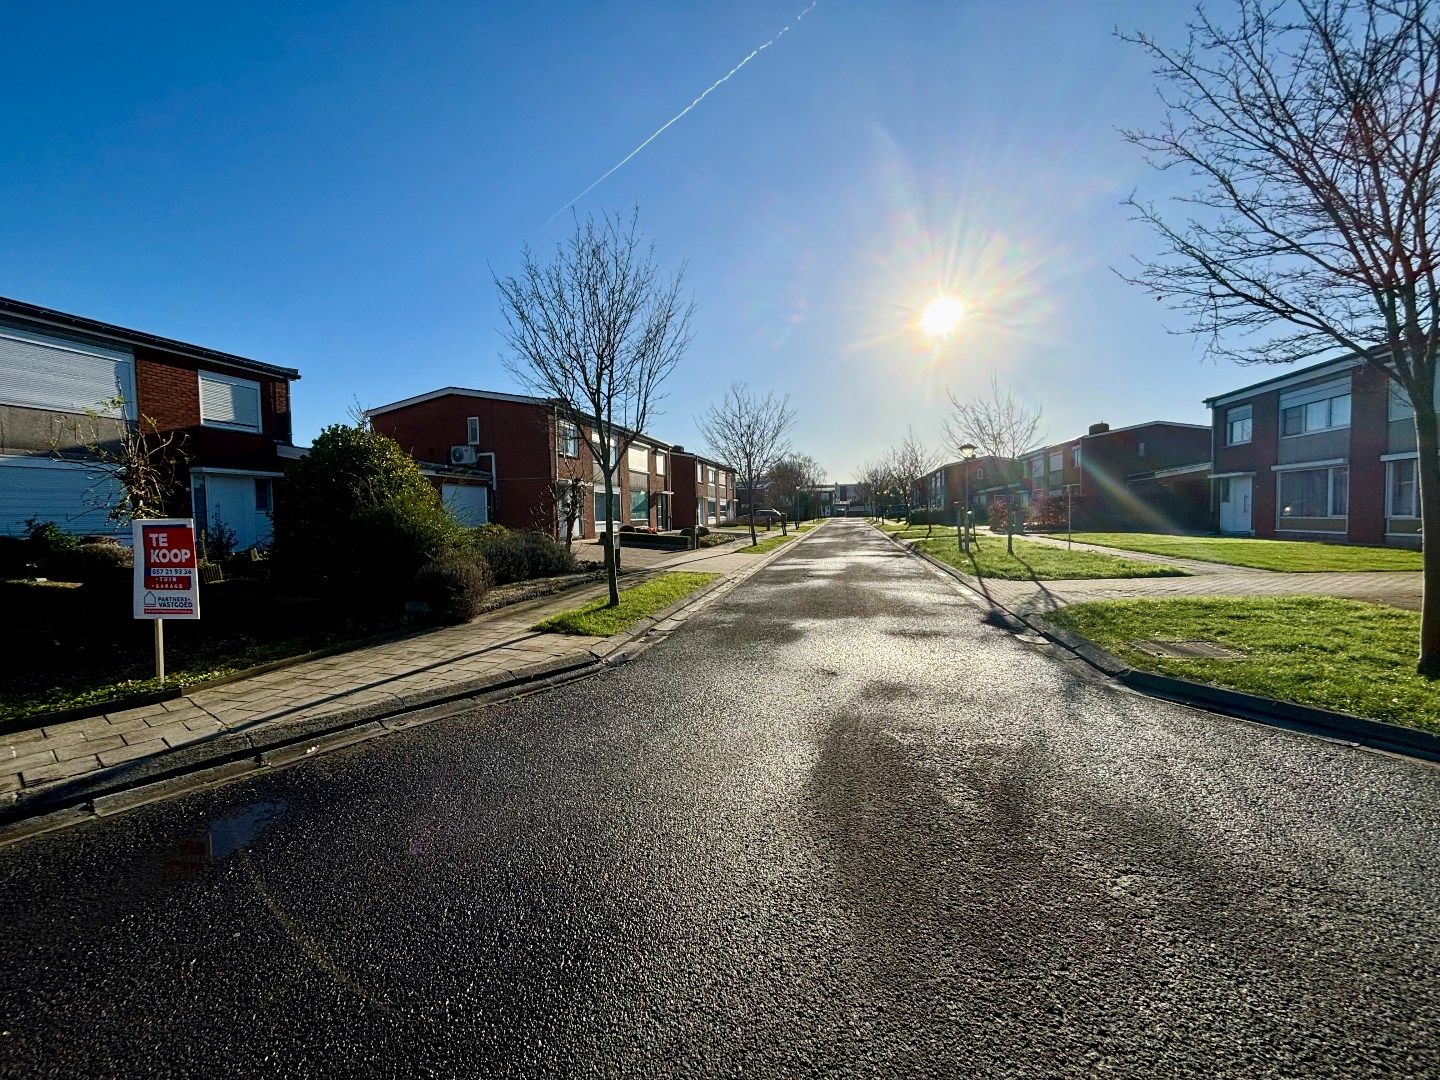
988 558
762 546
902 531
597 620
1295 556
1343 655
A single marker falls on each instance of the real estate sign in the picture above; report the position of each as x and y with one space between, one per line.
167 569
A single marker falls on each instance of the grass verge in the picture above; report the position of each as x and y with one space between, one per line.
989 558
1343 655
762 546
596 620
1292 556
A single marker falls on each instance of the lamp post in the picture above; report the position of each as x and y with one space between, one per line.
962 519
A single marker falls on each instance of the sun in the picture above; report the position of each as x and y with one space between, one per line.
941 316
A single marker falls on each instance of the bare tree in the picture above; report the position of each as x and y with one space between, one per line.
750 434
597 330
999 426
874 480
909 463
793 478
1312 133
136 466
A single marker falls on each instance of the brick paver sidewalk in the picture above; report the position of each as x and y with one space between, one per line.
304 695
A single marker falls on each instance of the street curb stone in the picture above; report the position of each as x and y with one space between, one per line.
234 754
1283 714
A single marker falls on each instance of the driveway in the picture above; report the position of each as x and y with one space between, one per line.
837 823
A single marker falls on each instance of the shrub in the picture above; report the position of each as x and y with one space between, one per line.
217 541
1047 511
46 538
90 563
454 587
516 556
930 517
359 520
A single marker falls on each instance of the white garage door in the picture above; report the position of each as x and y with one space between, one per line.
470 503
72 496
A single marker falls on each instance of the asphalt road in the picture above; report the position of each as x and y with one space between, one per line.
836 823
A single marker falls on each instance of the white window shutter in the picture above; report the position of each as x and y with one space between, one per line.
41 372
229 401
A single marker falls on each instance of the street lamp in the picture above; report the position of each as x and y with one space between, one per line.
962 519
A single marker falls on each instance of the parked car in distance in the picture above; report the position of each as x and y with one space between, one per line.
773 516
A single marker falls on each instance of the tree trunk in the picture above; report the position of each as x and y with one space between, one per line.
1010 525
612 549
1427 445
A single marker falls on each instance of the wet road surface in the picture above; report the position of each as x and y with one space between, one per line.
835 824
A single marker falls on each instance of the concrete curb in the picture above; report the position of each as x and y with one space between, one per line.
236 755
1304 719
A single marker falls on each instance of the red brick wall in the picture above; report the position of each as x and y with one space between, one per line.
1258 455
1369 433
167 391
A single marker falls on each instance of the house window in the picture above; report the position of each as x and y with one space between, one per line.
1057 461
1400 489
1037 468
1315 493
264 495
1238 425
1398 407
639 504
228 402
1318 409
660 462
567 439
638 458
980 472
1140 449
710 505
472 431
1074 457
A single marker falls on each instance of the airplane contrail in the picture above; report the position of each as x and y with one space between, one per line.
661 130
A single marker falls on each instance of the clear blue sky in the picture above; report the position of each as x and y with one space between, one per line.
328 186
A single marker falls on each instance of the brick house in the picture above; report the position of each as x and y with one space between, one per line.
704 490
1125 478
1324 453
983 478
510 459
67 382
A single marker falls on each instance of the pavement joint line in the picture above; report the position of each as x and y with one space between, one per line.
241 764
1323 724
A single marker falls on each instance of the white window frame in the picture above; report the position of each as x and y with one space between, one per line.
1414 462
1234 417
1056 461
1397 404
1075 457
472 431
568 439
1330 515
660 456
233 380
1327 393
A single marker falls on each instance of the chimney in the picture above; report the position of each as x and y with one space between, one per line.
1098 429
677 449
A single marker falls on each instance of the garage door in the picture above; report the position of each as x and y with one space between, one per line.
72 496
469 503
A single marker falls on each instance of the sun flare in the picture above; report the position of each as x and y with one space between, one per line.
941 316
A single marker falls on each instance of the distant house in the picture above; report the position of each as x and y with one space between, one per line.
510 459
1324 453
67 382
704 490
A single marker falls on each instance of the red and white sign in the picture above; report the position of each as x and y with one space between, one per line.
167 569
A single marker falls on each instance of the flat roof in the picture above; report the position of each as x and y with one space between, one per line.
34 313
1339 363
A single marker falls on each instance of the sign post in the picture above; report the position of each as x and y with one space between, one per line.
167 576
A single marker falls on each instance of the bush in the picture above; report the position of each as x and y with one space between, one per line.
90 563
694 530
217 541
46 538
358 520
516 556
1047 512
454 587
930 517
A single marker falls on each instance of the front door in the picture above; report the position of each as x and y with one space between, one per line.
1235 514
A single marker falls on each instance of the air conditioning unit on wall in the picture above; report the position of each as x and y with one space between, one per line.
462 455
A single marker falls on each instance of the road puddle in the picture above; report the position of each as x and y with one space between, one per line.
191 854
